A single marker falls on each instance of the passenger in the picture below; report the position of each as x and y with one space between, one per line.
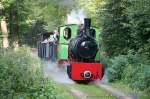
51 38
46 37
56 36
45 40
67 33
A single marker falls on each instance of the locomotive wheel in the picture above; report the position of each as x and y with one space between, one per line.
69 71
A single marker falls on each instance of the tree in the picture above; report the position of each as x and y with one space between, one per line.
54 12
14 15
4 33
126 26
116 32
22 16
139 22
3 24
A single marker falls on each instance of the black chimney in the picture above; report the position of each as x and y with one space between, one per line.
87 23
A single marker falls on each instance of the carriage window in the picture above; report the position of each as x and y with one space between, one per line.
67 33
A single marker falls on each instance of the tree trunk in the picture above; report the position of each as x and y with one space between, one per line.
4 33
14 29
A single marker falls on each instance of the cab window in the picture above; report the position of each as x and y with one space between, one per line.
67 33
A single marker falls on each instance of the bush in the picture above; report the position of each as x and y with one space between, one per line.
133 69
117 67
21 76
138 76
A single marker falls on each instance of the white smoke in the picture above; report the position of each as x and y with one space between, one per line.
57 74
76 17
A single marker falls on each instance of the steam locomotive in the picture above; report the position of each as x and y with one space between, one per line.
78 47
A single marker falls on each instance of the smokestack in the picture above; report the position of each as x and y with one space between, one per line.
87 23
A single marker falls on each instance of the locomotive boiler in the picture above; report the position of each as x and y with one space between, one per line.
82 51
83 48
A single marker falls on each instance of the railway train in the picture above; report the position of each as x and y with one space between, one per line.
78 47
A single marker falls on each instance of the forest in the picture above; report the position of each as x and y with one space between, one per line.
124 42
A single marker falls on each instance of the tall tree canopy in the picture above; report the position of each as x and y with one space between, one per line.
26 18
126 26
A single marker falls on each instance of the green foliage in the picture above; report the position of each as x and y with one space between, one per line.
125 25
22 77
32 36
138 14
53 12
126 39
115 35
117 67
146 49
138 76
16 15
133 69
22 16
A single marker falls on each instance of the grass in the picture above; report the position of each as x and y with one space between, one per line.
94 92
63 94
124 87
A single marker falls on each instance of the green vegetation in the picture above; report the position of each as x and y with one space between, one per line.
126 26
127 89
63 94
22 77
27 18
94 92
125 42
133 69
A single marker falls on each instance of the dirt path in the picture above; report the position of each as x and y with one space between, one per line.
78 94
60 76
115 91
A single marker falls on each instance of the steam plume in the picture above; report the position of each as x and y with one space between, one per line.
76 17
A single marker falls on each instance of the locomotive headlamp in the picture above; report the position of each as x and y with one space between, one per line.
87 74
